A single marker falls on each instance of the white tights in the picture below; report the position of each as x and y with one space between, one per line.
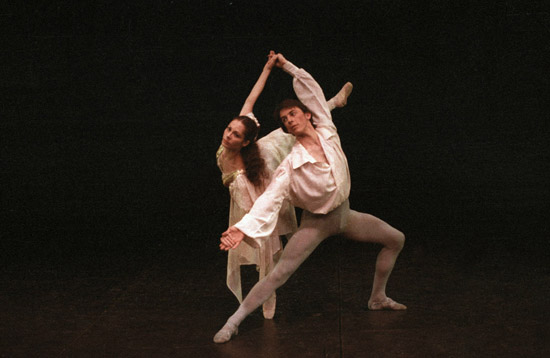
315 228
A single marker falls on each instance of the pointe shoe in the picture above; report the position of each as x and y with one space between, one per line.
341 98
226 333
269 307
387 304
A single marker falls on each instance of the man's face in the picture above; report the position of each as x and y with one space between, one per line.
295 120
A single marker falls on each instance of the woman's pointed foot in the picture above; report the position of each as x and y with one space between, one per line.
341 98
269 307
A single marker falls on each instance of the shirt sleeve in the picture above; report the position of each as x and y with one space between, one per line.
262 218
311 94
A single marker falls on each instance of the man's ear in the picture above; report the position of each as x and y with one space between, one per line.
308 115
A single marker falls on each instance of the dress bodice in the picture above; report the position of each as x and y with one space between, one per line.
227 178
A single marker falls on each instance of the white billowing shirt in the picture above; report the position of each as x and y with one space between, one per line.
308 184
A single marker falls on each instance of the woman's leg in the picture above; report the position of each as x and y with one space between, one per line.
341 98
368 228
269 306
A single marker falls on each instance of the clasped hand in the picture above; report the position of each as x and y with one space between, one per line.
231 238
276 59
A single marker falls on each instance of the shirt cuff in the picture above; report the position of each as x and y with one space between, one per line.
243 227
290 68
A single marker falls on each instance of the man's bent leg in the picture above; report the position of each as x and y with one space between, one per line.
368 228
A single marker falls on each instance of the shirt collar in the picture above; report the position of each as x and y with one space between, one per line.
301 156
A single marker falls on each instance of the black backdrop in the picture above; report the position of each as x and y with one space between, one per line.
112 113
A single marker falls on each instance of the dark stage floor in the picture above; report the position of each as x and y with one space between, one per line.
487 300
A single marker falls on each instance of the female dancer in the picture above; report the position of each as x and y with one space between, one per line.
247 165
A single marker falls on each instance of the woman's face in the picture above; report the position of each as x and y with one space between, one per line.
233 136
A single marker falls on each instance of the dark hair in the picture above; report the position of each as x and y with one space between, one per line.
289 103
254 163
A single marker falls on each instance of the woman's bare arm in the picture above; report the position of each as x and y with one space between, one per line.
259 86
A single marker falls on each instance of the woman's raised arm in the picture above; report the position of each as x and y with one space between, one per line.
259 86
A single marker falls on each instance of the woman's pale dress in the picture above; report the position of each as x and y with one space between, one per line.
274 147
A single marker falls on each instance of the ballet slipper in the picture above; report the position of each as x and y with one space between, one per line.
387 304
341 98
269 307
226 333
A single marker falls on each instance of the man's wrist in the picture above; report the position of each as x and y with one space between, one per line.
289 67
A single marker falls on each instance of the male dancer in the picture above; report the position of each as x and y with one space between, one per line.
314 177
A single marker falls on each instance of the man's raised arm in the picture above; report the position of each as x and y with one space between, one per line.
308 91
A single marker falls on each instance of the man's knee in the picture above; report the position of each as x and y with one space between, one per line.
397 241
280 274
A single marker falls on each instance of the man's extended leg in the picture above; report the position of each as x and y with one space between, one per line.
313 230
298 248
